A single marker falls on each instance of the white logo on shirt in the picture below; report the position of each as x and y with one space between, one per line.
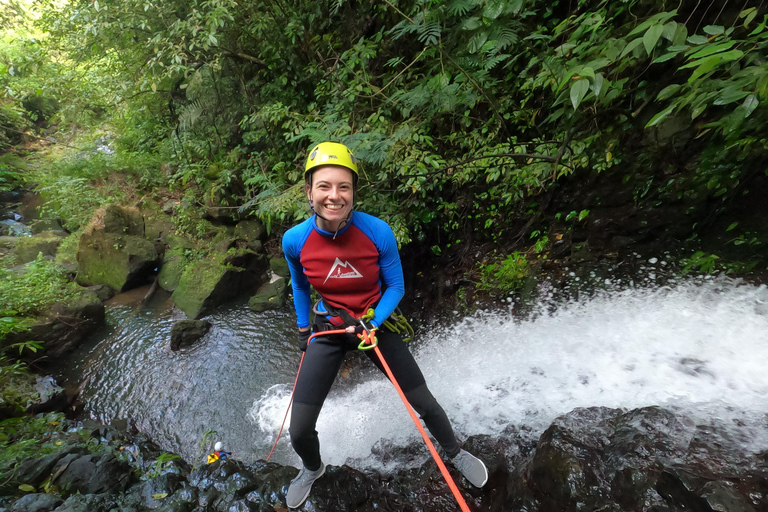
342 270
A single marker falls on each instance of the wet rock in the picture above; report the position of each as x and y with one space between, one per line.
175 258
92 474
88 503
102 291
64 326
221 277
186 332
153 493
34 471
270 296
39 502
51 396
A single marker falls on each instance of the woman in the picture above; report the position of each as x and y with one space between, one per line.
351 260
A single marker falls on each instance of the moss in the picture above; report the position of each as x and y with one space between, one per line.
66 255
105 258
196 285
45 243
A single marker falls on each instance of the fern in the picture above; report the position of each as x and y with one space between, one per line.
461 7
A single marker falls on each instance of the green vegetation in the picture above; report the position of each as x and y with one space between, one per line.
460 110
35 288
505 276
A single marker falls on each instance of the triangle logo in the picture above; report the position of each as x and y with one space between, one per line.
342 270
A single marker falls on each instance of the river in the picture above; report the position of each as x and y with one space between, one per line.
698 346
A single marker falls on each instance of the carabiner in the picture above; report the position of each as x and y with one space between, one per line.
366 343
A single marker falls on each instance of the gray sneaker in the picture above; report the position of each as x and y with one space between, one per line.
471 467
301 485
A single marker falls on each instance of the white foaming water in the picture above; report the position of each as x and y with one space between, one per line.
700 348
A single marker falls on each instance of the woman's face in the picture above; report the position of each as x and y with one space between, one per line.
332 195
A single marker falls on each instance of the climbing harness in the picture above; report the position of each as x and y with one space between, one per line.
372 344
396 322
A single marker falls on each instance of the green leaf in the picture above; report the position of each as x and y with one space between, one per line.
711 49
697 40
660 116
708 63
651 37
659 19
598 84
729 95
732 226
493 9
631 46
714 30
665 57
670 29
668 92
26 488
578 91
750 17
750 104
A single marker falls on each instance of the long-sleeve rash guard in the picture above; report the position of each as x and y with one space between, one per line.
352 269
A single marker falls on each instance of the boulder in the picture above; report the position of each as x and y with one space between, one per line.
175 258
120 261
251 232
37 502
51 396
64 327
280 267
119 220
113 251
207 283
270 296
93 473
186 332
45 243
43 225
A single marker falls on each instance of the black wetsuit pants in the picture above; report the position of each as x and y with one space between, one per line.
318 371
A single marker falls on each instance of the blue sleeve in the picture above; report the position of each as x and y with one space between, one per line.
393 283
293 241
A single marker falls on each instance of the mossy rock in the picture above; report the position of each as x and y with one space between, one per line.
208 283
66 254
47 243
120 220
270 296
120 261
280 267
43 225
175 260
251 232
158 229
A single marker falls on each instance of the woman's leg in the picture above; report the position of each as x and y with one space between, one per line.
411 381
322 361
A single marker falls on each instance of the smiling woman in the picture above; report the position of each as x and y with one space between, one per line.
351 260
331 192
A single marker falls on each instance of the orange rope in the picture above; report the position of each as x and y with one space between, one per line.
309 340
440 464
288 409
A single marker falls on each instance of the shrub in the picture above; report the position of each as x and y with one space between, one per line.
505 276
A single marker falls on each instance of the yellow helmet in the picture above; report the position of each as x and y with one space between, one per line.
330 153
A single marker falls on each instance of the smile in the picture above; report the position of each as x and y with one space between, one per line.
334 206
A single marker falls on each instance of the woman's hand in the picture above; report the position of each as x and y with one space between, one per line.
304 338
